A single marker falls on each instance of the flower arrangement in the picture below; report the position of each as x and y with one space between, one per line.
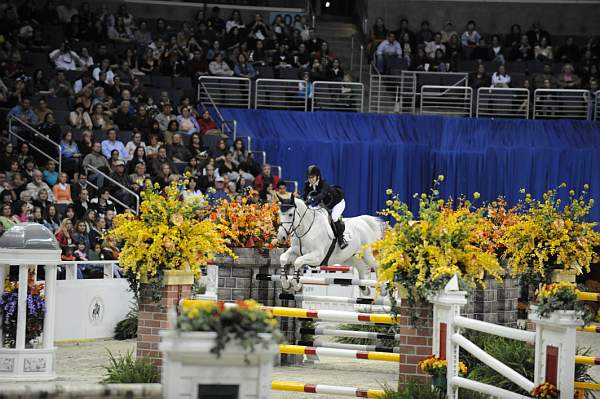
247 224
169 233
545 391
549 235
243 323
35 312
560 296
435 366
448 237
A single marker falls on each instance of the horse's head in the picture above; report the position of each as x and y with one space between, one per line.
287 217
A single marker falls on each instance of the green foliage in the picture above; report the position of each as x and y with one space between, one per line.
127 328
413 390
125 369
366 341
199 288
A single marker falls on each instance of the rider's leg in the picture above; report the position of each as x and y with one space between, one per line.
336 217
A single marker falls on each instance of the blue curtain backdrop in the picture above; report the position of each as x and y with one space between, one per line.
368 153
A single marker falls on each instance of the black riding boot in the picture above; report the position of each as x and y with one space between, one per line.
339 233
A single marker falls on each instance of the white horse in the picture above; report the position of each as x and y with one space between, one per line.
311 236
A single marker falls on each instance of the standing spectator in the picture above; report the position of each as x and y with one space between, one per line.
111 143
501 78
470 40
387 49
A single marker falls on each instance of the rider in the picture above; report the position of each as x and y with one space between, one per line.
317 191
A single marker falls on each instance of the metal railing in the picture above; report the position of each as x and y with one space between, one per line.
338 96
596 105
502 102
35 134
561 104
355 46
392 93
293 183
225 91
282 94
261 153
444 100
110 179
278 168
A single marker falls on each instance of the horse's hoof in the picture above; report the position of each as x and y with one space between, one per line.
365 291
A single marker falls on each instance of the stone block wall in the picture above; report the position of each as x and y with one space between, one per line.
495 303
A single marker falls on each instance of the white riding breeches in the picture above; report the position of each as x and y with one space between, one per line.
338 209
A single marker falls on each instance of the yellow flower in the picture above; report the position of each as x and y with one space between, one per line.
389 191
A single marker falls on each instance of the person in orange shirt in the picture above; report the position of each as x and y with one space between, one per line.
62 193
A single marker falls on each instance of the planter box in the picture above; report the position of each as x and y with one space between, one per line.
190 370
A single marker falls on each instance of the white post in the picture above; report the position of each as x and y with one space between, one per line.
71 272
22 307
49 314
446 306
109 270
555 346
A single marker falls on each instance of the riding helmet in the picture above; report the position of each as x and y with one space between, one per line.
313 170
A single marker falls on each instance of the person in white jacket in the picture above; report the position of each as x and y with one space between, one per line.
218 67
64 58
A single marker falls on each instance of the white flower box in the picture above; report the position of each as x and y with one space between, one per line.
189 369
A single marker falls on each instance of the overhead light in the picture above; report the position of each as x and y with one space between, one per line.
327 4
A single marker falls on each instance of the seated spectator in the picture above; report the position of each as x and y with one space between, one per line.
120 182
139 176
425 35
569 52
377 34
37 184
105 68
265 180
6 217
497 52
501 78
434 45
389 48
102 203
50 175
153 145
208 179
259 55
215 50
408 47
97 160
82 184
218 67
177 151
235 21
96 232
243 69
258 29
419 61
163 178
172 129
42 200
62 193
79 118
124 119
568 79
161 158
42 109
51 219
135 143
523 51
82 205
219 193
194 168
470 40
65 58
37 215
138 155
114 158
543 51
538 81
438 64
119 32
335 73
24 112
227 167
100 118
111 143
192 192
448 32
86 59
64 232
207 124
282 193
148 64
479 79
536 34
70 153
187 122
165 116
39 83
60 86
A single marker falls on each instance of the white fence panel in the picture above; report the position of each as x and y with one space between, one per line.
561 104
498 102
285 94
332 290
338 96
446 100
225 91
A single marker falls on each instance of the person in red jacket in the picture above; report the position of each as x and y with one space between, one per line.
265 182
206 122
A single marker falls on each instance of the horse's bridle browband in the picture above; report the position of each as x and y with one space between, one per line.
293 231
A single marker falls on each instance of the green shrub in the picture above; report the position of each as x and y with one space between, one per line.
365 341
413 390
127 328
125 369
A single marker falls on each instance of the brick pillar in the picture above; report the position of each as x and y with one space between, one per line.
415 342
152 317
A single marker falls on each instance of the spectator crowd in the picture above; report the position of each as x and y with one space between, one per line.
75 84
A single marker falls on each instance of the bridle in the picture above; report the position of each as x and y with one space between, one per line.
293 229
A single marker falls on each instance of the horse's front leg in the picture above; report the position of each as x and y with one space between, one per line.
311 259
286 258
